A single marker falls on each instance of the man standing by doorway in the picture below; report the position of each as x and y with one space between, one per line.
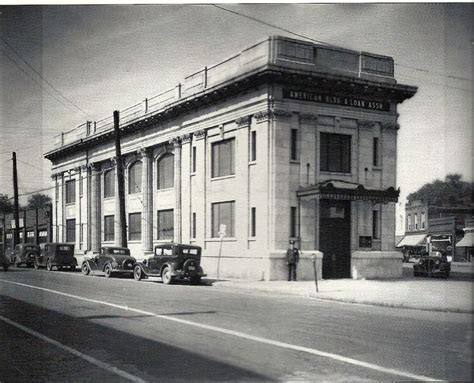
292 259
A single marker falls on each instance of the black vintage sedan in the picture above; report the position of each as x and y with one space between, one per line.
25 254
172 261
59 255
436 264
110 260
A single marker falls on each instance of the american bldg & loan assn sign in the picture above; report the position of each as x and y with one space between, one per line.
336 100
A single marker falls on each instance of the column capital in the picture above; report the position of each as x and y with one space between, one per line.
143 152
272 114
93 167
365 124
186 138
199 134
175 141
243 122
309 116
390 125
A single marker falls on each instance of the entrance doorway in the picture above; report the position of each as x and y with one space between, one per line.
335 237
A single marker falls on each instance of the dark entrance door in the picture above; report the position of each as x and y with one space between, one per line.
335 238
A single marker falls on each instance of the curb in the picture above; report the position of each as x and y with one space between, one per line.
394 305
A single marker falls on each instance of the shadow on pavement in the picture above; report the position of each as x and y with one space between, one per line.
143 357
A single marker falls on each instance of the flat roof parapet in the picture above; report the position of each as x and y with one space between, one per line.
273 52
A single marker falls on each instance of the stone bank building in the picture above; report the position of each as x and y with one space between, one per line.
285 140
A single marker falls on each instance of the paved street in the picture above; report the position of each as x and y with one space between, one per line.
68 327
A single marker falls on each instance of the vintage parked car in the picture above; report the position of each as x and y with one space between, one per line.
109 261
171 261
4 262
24 254
59 255
432 265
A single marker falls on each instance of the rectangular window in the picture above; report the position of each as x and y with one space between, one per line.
70 191
293 222
193 226
416 221
375 224
409 222
223 213
193 160
70 230
294 155
109 184
109 228
375 160
423 220
223 161
335 153
135 226
166 224
253 146
253 222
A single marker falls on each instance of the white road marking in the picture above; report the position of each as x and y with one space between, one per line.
242 335
90 359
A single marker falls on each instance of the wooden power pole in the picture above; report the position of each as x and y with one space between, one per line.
120 179
16 231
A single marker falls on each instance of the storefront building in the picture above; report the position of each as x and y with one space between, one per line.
35 227
285 140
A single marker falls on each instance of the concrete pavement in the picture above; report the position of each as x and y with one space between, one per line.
432 294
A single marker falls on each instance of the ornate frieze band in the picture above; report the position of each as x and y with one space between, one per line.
176 142
364 124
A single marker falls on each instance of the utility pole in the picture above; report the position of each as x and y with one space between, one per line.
120 179
16 231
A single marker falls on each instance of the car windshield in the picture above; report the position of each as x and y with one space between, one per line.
64 248
30 247
190 251
120 251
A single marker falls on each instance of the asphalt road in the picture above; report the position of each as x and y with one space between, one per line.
63 326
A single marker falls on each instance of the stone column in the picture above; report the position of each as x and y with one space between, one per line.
77 176
147 200
117 221
56 208
177 188
186 153
95 223
199 196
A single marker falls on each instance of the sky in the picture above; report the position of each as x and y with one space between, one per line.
63 65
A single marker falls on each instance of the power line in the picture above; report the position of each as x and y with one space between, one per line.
33 79
41 76
334 45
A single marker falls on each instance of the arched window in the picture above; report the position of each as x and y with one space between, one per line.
165 168
109 184
135 178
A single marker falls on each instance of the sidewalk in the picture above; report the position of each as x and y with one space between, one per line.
431 294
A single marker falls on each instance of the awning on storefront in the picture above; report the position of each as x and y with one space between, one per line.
341 190
467 240
412 240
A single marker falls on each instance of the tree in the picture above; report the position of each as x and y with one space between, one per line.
6 205
38 201
450 192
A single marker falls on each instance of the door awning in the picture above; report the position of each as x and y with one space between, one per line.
467 240
412 240
341 190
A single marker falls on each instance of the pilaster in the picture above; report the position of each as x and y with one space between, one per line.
176 142
147 200
186 156
95 222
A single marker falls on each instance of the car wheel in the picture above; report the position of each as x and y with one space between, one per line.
16 263
49 266
85 269
36 264
195 280
166 276
108 270
137 273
